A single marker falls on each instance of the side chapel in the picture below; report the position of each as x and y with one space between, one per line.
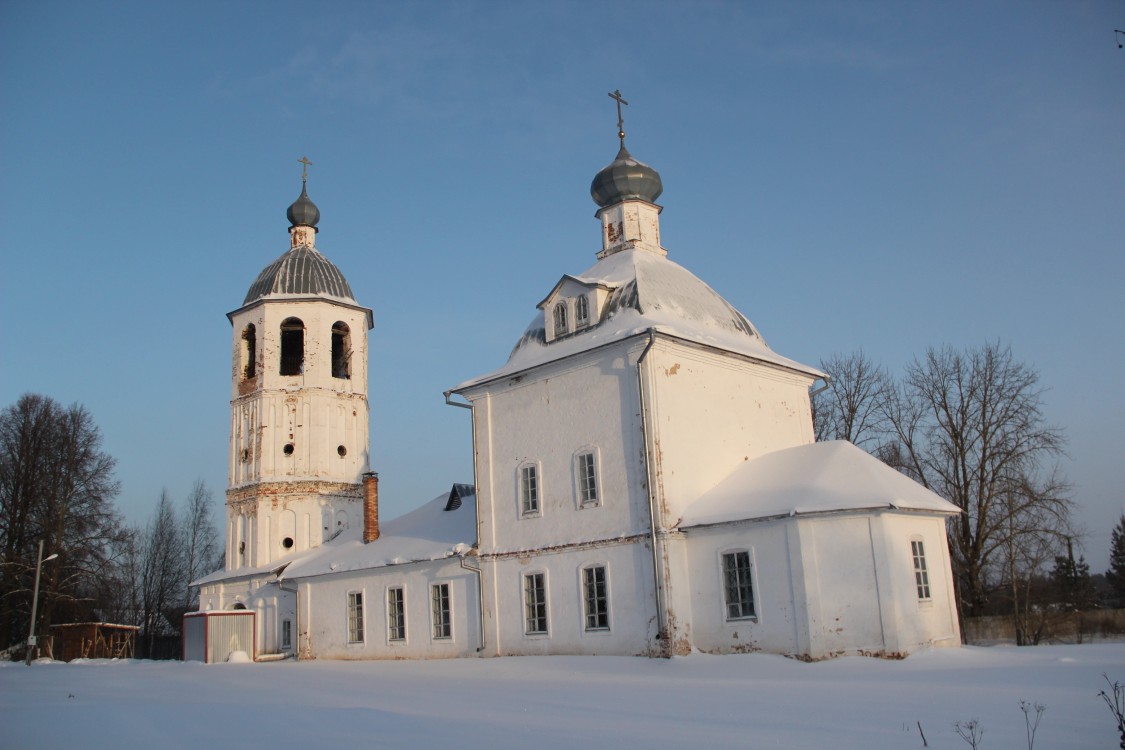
647 481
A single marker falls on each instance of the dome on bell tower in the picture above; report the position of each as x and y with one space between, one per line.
303 212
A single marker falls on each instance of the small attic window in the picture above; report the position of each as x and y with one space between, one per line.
561 325
581 311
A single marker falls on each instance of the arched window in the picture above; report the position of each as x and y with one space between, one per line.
249 352
292 347
341 350
560 319
581 311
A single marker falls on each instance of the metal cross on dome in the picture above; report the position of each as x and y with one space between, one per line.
620 123
304 160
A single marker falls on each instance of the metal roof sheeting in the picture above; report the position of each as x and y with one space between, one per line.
301 271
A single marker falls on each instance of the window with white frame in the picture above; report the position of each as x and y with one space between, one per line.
921 575
586 466
535 603
439 608
287 634
355 617
529 490
595 598
396 614
737 586
561 326
581 311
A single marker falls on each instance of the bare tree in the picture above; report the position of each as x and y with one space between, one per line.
200 542
969 425
850 406
162 571
1036 523
56 484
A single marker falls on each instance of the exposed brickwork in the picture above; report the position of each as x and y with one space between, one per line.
370 507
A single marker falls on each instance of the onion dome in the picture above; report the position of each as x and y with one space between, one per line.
625 178
303 212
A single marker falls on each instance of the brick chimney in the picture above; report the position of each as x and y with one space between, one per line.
370 507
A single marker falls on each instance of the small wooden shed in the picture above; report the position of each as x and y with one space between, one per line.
211 637
92 640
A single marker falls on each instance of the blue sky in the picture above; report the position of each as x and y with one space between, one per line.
886 176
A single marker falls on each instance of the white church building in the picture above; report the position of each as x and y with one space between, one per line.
646 482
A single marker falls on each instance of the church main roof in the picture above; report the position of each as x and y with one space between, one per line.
649 292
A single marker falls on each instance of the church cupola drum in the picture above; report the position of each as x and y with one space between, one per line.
299 441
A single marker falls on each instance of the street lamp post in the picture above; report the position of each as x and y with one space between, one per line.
35 600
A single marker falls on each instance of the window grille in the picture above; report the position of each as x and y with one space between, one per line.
355 617
737 584
560 319
597 602
529 490
587 479
439 602
535 603
921 575
396 614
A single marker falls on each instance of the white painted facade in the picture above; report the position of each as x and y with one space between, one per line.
647 482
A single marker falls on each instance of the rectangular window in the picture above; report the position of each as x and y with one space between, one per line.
529 490
921 576
597 604
587 479
535 603
439 606
396 614
286 634
355 617
737 584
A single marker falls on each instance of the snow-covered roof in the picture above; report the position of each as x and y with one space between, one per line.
427 533
649 292
816 478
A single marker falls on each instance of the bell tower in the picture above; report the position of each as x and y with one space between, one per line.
299 443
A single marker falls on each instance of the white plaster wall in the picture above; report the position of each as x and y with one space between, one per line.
916 623
779 613
586 403
271 604
324 610
314 411
710 412
845 597
631 601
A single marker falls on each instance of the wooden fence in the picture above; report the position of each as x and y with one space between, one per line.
1059 627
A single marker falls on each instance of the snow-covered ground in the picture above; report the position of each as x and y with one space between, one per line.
748 701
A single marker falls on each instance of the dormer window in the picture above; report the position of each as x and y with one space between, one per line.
581 311
560 320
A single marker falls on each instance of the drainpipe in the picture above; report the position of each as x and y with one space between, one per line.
656 574
296 592
461 558
448 400
480 596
